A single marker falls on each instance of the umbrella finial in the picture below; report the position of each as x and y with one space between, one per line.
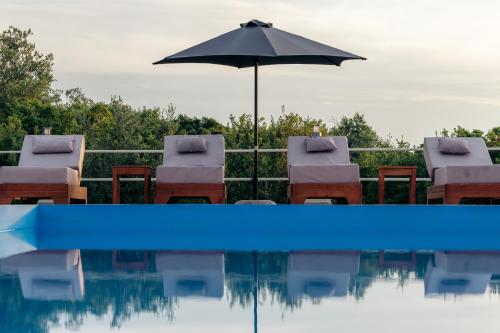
256 23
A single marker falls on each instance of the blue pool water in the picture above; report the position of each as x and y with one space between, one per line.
191 268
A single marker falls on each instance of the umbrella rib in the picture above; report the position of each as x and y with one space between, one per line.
269 41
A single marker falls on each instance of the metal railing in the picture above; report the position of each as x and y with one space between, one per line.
239 151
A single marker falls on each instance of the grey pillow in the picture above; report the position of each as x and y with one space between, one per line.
47 144
320 144
191 144
453 146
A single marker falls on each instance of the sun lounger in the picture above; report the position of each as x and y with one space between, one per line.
460 168
460 273
320 274
323 173
48 275
191 274
50 167
193 167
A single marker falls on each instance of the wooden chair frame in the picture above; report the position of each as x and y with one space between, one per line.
60 193
298 193
167 192
452 194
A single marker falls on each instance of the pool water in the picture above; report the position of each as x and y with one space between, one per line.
215 291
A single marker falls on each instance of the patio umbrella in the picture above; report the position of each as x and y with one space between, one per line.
255 44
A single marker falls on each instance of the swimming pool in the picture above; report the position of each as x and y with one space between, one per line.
187 268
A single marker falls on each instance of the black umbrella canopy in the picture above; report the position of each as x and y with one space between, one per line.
256 42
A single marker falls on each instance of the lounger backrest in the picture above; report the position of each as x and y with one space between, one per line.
214 156
72 160
434 159
297 154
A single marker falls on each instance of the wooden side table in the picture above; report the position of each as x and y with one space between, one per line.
131 170
398 171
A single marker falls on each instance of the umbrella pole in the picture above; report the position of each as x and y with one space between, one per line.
255 134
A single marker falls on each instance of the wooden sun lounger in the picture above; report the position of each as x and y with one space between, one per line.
30 193
322 175
191 175
299 193
49 175
168 193
457 177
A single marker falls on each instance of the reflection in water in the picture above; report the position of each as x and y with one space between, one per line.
460 272
48 275
41 289
191 273
317 275
130 260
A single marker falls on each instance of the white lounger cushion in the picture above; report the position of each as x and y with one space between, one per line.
36 175
298 155
476 174
320 167
53 144
434 159
190 174
206 168
320 144
214 156
191 144
454 146
326 174
72 160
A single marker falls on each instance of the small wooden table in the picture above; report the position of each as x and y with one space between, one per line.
398 171
131 170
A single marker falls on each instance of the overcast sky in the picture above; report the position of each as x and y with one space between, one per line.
431 64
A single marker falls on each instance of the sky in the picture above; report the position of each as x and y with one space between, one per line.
385 306
431 64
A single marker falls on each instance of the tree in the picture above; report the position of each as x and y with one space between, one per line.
358 132
25 73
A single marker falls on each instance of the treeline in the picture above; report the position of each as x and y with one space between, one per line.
28 103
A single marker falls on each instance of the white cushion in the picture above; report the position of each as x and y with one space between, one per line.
298 155
319 145
72 160
454 146
477 174
434 159
48 144
36 175
214 156
190 174
324 174
191 144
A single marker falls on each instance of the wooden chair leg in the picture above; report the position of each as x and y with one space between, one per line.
158 199
297 199
162 198
63 200
6 200
452 200
216 199
354 199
